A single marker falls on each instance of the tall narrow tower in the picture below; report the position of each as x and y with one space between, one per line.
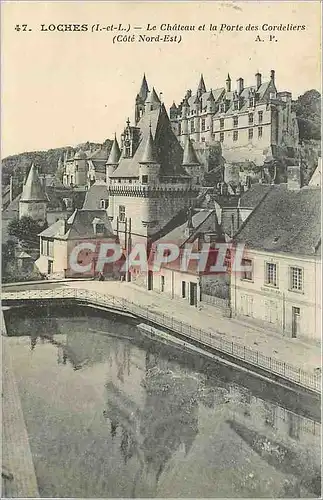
113 159
33 201
140 100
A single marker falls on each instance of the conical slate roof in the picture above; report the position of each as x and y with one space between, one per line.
201 88
143 92
228 78
33 189
153 97
114 156
211 97
189 156
150 155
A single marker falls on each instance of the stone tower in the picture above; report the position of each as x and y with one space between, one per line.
140 100
113 159
33 201
191 163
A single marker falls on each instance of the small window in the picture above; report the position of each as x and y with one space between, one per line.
221 122
179 129
259 132
247 273
197 180
203 139
221 136
144 179
296 278
99 228
203 124
250 118
271 274
260 116
236 105
183 289
251 102
104 204
222 108
250 133
235 135
122 213
192 126
235 121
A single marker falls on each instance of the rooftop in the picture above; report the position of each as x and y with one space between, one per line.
285 221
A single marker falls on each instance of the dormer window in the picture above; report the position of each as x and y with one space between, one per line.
222 107
104 204
235 105
251 102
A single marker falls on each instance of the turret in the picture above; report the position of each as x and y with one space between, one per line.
190 162
148 165
33 201
201 89
80 169
140 100
210 103
152 102
173 111
113 159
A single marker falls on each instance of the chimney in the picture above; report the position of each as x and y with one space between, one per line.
239 85
258 80
294 177
272 75
228 83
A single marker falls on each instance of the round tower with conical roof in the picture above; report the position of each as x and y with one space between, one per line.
33 201
191 163
148 164
113 159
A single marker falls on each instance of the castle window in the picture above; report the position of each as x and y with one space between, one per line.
259 132
221 136
296 278
260 116
236 105
235 121
203 139
192 126
251 102
104 204
222 108
144 179
197 180
271 274
250 118
99 228
122 213
203 124
250 133
221 122
235 135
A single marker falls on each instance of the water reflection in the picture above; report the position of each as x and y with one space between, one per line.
155 426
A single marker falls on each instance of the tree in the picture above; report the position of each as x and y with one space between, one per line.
25 229
308 112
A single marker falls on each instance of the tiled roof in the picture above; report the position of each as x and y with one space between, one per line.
169 152
179 236
97 192
285 221
79 226
253 196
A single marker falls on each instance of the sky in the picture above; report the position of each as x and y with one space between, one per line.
65 88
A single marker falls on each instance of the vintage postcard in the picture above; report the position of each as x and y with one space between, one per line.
161 249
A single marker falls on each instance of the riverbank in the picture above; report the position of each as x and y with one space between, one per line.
20 478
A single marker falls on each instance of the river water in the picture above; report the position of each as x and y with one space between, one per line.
112 414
